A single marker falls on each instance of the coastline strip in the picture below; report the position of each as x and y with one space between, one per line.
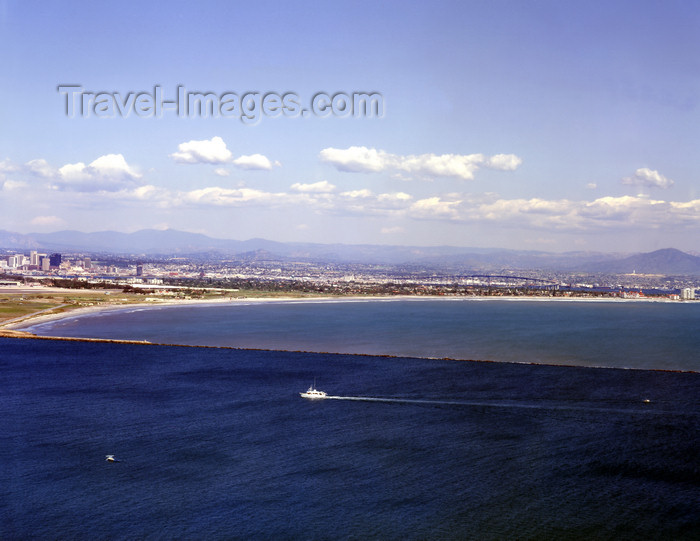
51 314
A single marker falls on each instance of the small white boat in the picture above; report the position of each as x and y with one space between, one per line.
313 393
110 458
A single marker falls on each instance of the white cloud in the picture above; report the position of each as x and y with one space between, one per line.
112 165
319 196
134 197
634 212
146 192
47 221
391 230
626 210
356 159
604 213
212 151
41 167
73 172
445 165
110 182
534 212
396 200
648 177
6 166
231 197
354 194
435 208
317 187
110 172
220 171
357 202
255 161
370 160
366 202
504 162
12 185
591 186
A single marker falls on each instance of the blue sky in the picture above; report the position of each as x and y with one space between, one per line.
541 125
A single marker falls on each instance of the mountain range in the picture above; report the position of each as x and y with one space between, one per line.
154 243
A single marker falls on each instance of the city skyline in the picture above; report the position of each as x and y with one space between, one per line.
543 126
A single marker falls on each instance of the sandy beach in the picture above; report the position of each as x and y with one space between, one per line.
42 316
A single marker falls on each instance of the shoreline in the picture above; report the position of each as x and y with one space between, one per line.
40 318
26 326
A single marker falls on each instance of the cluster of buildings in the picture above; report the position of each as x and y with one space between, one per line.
77 267
35 261
687 294
343 279
39 264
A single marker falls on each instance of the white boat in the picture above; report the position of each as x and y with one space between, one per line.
313 393
110 458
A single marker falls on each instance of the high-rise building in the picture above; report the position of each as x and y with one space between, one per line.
45 263
139 270
33 257
687 294
55 260
87 264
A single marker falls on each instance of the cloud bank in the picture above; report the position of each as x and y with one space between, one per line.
370 160
110 172
111 183
604 213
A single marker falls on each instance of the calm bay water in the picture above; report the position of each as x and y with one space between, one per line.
216 444
652 335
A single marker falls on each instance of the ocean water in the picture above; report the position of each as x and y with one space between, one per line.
647 335
216 443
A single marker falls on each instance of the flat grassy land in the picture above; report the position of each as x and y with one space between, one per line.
12 308
17 305
23 304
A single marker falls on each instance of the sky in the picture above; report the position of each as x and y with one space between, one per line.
534 125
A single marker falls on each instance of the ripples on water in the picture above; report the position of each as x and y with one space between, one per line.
217 444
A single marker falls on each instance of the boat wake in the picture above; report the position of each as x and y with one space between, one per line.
485 404
403 400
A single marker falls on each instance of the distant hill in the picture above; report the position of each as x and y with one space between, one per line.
151 242
169 242
17 241
146 241
668 261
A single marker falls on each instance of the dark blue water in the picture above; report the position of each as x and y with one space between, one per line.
618 334
217 444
